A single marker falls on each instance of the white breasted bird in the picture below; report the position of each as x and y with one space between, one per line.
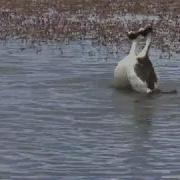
136 70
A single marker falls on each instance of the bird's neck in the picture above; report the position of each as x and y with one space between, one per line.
133 47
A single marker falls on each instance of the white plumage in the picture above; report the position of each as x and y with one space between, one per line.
125 74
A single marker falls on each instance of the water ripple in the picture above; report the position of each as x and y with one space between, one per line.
61 119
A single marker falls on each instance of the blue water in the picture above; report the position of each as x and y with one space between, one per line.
60 117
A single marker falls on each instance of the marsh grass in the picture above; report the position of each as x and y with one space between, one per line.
103 21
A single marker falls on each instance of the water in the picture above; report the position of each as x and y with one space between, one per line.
60 117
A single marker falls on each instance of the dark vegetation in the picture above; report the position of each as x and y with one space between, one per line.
103 21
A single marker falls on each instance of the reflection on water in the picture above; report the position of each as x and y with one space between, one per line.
60 117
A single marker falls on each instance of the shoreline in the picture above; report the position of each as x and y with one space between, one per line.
105 22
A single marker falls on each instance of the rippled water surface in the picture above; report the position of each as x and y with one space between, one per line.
60 117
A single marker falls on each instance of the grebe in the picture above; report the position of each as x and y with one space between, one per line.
136 70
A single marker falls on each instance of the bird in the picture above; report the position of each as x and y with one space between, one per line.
136 69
